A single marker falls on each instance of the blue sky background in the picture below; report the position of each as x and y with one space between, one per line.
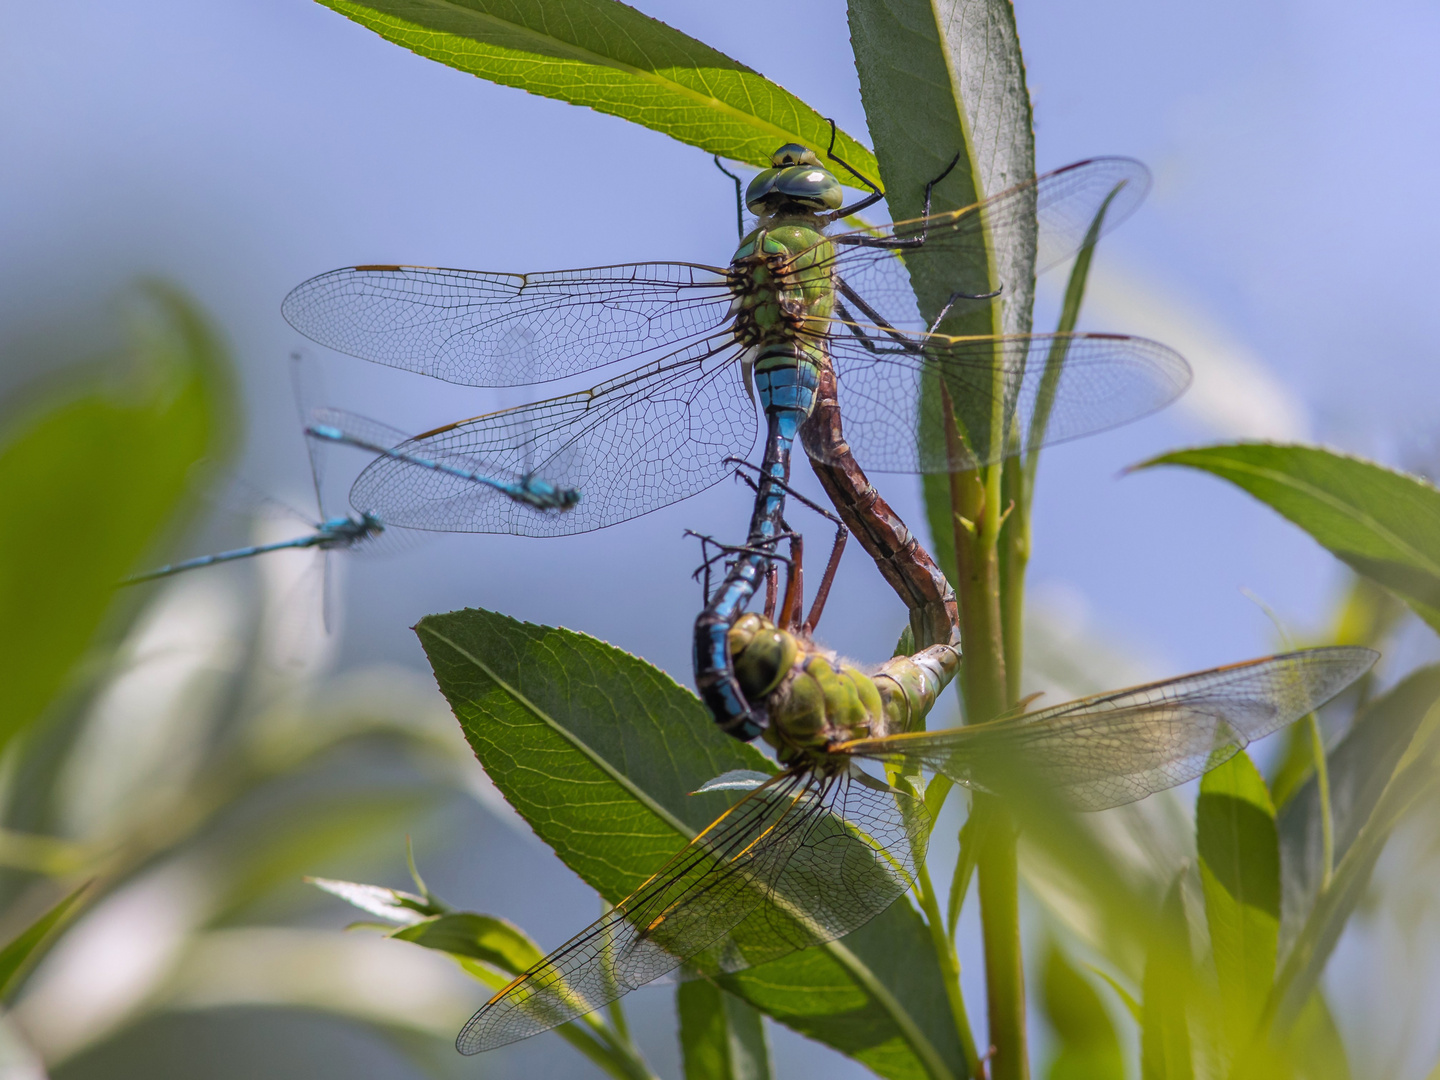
1287 249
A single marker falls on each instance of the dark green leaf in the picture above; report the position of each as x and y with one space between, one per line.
1383 524
1086 1046
611 58
721 1037
485 938
1361 764
597 750
30 944
1240 871
89 484
1165 1029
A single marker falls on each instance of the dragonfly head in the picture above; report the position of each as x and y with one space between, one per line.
796 182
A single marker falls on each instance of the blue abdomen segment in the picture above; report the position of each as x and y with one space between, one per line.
785 380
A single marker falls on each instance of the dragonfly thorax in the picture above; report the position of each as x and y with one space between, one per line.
342 532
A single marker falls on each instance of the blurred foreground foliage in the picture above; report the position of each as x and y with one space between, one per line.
172 764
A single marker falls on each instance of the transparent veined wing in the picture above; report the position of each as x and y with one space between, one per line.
1056 210
799 861
1009 394
1115 748
479 328
635 443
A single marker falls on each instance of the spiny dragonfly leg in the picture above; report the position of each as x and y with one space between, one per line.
739 197
727 551
826 580
893 242
772 588
961 296
875 193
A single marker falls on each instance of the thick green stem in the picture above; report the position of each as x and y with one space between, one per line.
1014 560
950 967
1000 928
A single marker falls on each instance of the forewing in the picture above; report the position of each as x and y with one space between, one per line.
630 445
801 861
1115 748
1063 204
479 328
1009 394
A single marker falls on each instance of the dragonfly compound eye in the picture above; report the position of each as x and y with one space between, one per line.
808 187
762 655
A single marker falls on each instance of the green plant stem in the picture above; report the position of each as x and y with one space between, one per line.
950 967
1322 785
975 499
1016 486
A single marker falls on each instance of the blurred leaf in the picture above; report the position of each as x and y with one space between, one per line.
1361 764
399 907
21 954
1165 1028
1316 1046
1087 1047
485 938
721 1037
1364 835
609 57
1381 523
90 484
1240 872
1126 997
597 750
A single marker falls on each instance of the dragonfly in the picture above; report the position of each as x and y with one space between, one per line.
822 846
363 529
709 340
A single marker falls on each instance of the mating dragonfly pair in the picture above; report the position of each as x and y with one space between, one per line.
806 320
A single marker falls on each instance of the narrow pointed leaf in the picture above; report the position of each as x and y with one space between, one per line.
1240 872
612 58
1361 765
599 750
492 941
1165 1027
721 1037
21 954
1383 524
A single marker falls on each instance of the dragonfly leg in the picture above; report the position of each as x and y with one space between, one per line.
772 589
875 193
826 580
894 242
954 296
789 619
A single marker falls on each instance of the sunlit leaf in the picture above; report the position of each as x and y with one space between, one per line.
90 481
598 751
399 907
1383 524
1240 872
1165 1027
721 1037
609 57
21 954
485 938
1086 1046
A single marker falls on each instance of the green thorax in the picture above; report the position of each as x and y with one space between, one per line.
783 284
815 700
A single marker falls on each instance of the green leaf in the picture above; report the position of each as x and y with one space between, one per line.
392 904
609 57
937 79
22 953
1361 765
1364 836
1381 523
1165 1027
1315 1044
89 484
721 1037
1086 1046
1240 871
597 750
492 941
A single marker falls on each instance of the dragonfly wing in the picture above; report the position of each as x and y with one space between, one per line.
633 444
1054 212
1115 748
487 329
800 861
1009 394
